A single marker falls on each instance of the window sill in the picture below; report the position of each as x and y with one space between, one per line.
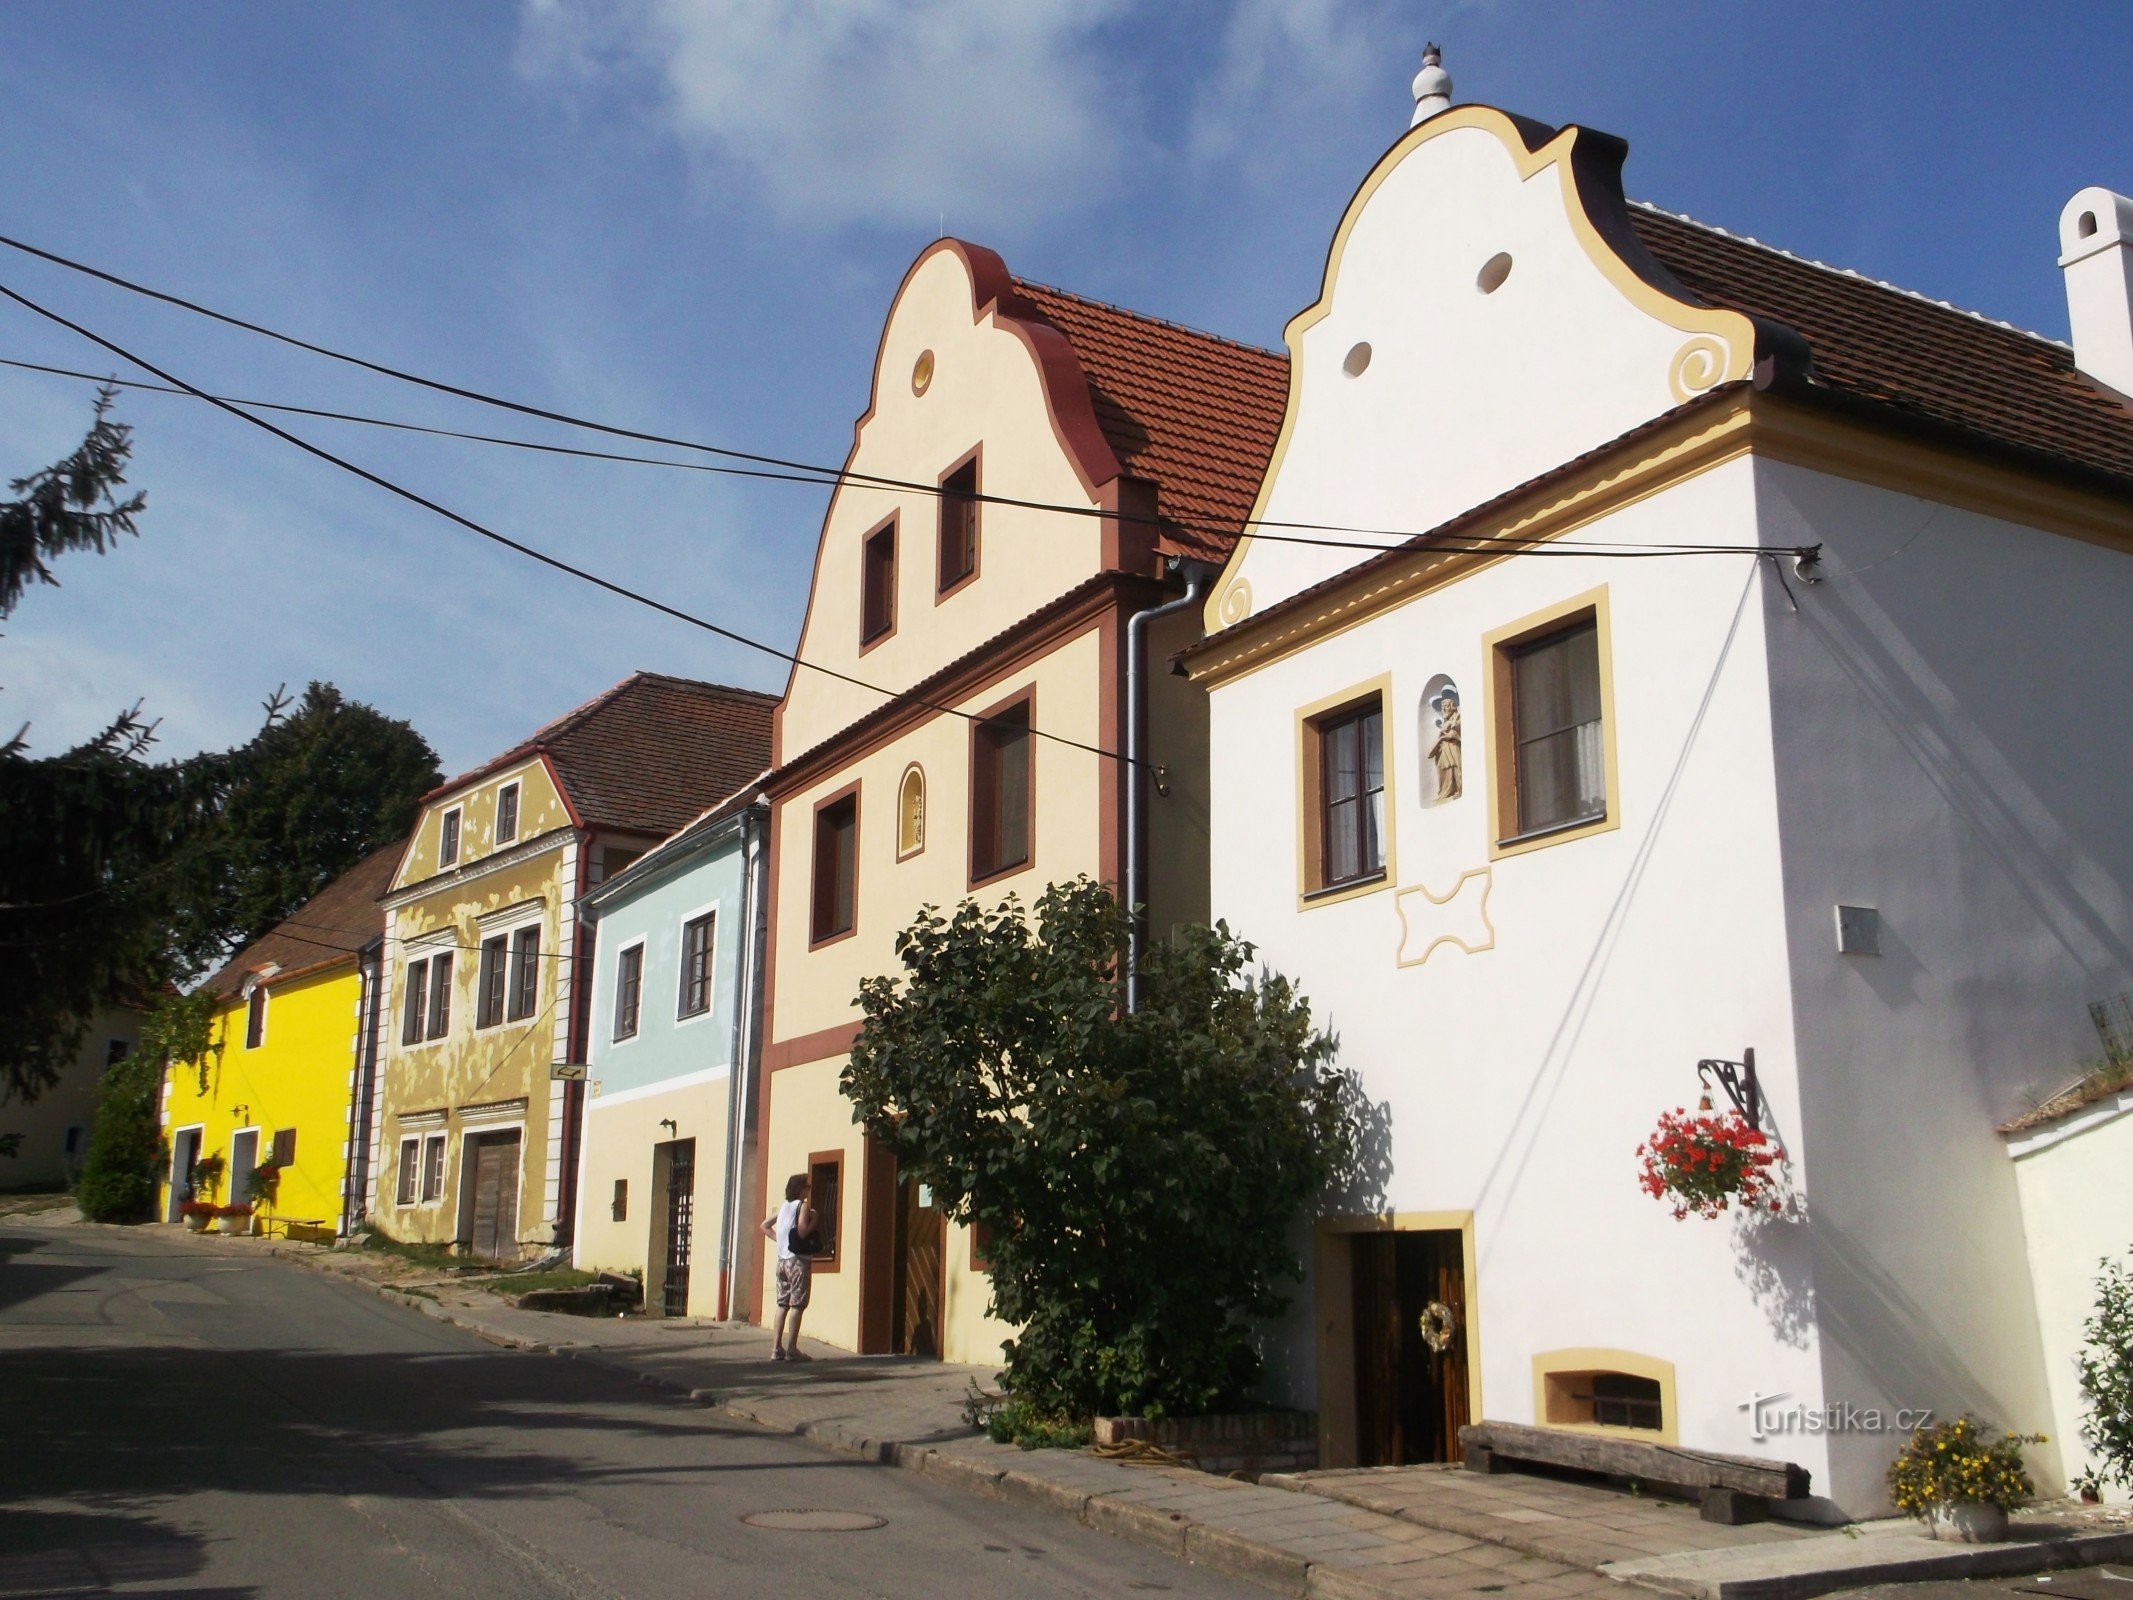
1556 833
978 879
1333 893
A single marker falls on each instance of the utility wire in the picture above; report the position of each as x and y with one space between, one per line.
816 471
509 543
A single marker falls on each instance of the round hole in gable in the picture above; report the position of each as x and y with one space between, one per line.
922 372
1493 272
1358 359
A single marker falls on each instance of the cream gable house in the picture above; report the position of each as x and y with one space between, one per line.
1739 693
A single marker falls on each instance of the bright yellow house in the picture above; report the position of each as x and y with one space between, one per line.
287 1081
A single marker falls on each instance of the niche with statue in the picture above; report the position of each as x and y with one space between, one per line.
1443 765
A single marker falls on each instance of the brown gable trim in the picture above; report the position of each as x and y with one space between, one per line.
1040 631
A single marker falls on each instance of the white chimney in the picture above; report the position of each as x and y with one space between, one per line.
1432 86
2096 254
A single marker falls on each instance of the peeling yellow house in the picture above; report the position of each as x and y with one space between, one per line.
481 1100
288 1080
945 572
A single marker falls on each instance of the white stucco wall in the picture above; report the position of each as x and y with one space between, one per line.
1946 753
2076 1183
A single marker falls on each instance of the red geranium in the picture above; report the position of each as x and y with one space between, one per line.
1704 1161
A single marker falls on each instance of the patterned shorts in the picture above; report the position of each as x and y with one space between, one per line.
795 1277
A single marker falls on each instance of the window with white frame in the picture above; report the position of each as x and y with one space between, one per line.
255 1017
629 990
432 1168
698 949
525 990
489 981
426 998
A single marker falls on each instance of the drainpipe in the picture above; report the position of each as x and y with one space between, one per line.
747 1047
1197 575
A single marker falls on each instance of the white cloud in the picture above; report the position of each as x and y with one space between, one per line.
876 111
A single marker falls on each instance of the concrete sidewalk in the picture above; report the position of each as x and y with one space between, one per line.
1375 1534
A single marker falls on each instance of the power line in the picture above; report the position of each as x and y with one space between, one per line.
815 471
509 543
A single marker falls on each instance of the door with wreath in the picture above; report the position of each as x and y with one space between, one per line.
1410 1346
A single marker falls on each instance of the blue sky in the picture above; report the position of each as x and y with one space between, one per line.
688 216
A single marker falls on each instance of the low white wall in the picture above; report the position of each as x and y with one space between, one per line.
2076 1181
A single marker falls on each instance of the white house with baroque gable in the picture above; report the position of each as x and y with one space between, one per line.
1775 618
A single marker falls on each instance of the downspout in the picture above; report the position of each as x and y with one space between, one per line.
356 1184
747 1046
1196 575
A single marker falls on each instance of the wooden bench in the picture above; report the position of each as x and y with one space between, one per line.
316 1230
1731 1489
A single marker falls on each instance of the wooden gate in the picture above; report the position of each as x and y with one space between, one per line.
1410 1398
495 1228
921 1273
681 1215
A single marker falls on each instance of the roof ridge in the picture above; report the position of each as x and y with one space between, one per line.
695 683
1852 272
1148 317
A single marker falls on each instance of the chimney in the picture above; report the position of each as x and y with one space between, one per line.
2096 254
1432 86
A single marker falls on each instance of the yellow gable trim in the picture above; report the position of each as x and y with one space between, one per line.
1721 349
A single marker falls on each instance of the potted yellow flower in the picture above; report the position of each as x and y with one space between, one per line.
1961 1483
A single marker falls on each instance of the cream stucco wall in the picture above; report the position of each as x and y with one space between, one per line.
810 1116
2076 1182
64 1111
620 1136
986 387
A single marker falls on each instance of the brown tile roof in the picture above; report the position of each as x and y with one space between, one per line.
1887 346
331 926
1195 413
651 753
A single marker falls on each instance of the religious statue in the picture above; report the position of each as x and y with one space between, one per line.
1451 777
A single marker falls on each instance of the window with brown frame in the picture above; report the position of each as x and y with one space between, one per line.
1349 803
877 584
825 1174
255 1018
284 1148
697 950
1001 752
1558 754
836 868
959 525
489 983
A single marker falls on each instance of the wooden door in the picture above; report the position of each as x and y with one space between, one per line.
920 1289
1411 1399
680 1227
495 1230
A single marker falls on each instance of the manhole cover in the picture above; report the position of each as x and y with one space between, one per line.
815 1521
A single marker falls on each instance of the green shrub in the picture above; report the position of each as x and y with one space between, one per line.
2105 1365
1138 1175
125 1157
1953 1463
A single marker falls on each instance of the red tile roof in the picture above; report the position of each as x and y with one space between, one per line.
1886 346
331 926
651 753
1194 413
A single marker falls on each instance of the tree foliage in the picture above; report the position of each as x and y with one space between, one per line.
2105 1364
1139 1174
119 1171
71 505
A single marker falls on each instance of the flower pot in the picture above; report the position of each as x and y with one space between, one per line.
240 1225
1969 1522
195 1222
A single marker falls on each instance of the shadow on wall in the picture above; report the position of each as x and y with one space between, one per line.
1773 1262
1363 1189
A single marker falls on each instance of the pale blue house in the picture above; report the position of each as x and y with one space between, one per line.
671 1061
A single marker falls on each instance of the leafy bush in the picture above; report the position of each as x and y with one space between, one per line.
1138 1174
125 1154
2105 1365
1953 1463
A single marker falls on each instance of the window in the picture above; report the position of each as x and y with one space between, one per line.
448 838
507 813
836 867
1351 795
1555 765
629 990
283 1153
489 985
981 1247
697 949
410 1158
525 972
115 1051
426 1007
959 526
432 1167
1606 1397
72 1143
614 859
877 584
825 1171
911 813
1000 755
255 1018
619 1208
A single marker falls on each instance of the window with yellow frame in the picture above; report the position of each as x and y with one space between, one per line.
1551 727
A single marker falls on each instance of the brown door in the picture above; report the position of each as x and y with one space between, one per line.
495 1230
1410 1398
921 1262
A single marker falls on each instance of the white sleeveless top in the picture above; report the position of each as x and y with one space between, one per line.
788 1219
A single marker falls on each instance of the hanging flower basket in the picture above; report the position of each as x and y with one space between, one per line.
1701 1162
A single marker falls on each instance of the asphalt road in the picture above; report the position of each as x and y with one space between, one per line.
182 1422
